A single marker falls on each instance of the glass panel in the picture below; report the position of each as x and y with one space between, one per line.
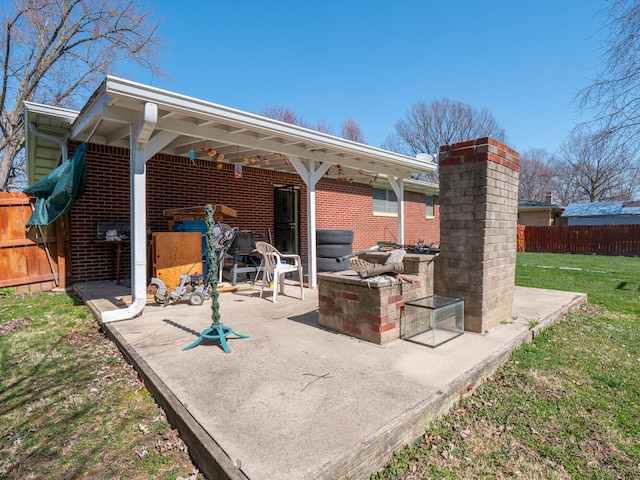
384 201
429 204
432 321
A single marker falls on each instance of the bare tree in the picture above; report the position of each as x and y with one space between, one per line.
287 115
428 126
351 131
537 174
56 52
598 168
563 184
614 94
284 115
322 126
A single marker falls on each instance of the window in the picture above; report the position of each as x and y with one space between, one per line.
429 204
385 202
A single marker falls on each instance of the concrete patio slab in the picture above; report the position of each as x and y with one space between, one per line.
296 401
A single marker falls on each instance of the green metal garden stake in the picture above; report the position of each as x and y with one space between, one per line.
218 330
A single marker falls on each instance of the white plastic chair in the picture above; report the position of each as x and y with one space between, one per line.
275 268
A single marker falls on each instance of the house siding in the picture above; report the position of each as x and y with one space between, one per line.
530 218
604 220
176 182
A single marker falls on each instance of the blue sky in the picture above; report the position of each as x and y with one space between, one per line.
371 60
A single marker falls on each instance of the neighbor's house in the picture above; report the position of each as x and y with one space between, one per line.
603 213
151 150
535 213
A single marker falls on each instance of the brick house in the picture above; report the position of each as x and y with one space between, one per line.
150 150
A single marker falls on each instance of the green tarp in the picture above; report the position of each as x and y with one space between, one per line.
58 190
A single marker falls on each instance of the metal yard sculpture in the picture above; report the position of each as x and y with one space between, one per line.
218 330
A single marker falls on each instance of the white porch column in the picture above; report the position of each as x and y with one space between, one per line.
310 176
397 184
141 150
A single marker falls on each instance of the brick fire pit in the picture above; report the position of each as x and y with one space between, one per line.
372 310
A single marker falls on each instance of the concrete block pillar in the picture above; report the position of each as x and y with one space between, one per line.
478 229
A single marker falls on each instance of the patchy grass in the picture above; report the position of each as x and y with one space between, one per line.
565 406
70 406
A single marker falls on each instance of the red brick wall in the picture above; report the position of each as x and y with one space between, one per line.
106 198
177 182
174 182
350 207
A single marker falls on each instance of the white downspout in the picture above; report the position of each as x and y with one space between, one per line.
397 183
138 206
62 142
311 176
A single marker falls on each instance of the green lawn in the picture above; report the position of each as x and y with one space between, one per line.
70 406
566 405
612 282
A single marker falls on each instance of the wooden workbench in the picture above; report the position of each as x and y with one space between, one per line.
220 213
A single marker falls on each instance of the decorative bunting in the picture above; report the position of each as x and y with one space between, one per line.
212 153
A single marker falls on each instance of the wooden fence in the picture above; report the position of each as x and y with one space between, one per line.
622 240
31 259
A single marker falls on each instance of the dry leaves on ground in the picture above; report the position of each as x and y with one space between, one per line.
12 325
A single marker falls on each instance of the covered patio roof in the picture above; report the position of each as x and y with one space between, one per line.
184 123
148 121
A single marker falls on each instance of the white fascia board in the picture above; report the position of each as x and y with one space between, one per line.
412 185
121 88
63 114
424 187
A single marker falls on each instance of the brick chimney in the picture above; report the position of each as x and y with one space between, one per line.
549 198
478 229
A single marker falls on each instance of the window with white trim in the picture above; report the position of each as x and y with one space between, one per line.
429 205
385 202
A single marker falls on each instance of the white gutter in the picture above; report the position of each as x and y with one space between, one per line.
138 205
342 151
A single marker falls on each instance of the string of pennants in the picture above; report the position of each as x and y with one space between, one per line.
256 159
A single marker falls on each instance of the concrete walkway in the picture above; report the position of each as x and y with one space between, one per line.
295 401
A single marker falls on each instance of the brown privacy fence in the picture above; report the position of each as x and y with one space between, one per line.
622 240
31 259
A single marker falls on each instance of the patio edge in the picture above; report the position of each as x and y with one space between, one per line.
207 455
576 302
376 450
